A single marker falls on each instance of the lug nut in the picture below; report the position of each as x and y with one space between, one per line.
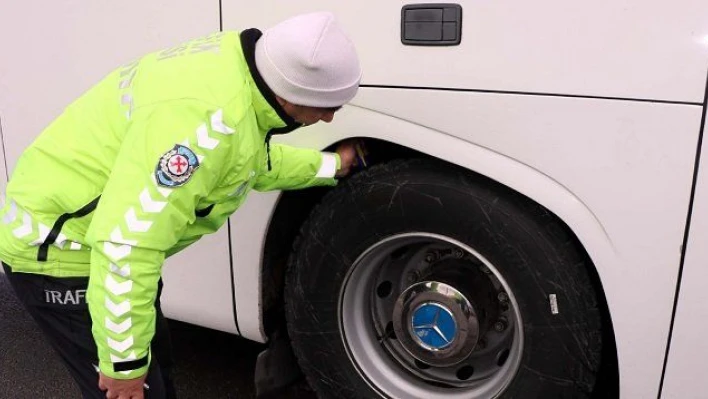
459 254
503 297
412 277
430 257
500 325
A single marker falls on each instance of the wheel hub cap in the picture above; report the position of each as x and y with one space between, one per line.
436 323
433 326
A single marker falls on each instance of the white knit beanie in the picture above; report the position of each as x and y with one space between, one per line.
309 60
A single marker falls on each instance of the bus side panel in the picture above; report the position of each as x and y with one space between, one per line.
619 48
688 358
53 51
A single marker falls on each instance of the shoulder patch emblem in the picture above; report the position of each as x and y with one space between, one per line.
176 166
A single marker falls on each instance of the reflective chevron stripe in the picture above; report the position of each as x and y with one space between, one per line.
134 224
11 214
118 359
43 233
125 87
121 346
73 246
26 227
203 139
117 238
118 310
117 288
122 241
61 240
119 328
217 123
162 190
200 158
123 271
149 205
116 252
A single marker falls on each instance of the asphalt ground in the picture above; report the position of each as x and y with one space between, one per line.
210 364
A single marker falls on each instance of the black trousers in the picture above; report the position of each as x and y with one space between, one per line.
58 306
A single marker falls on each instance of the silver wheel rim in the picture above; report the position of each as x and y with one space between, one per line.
385 362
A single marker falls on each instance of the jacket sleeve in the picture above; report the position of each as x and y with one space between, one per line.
138 220
295 168
205 225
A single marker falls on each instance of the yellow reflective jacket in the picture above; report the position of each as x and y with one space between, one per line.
157 154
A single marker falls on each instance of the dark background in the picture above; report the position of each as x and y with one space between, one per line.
210 364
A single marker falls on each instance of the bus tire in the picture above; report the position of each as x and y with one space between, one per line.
406 247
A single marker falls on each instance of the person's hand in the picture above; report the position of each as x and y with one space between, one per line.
121 389
347 155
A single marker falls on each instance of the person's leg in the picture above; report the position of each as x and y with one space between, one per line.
55 307
58 305
161 347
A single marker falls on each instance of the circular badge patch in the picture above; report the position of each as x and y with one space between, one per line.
176 166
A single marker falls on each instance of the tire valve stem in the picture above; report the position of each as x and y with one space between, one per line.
503 297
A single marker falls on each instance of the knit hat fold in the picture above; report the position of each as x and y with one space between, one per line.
309 60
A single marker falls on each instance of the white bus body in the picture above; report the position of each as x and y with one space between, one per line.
595 111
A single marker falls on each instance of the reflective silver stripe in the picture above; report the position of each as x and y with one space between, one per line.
329 166
29 225
126 99
26 227
11 214
43 233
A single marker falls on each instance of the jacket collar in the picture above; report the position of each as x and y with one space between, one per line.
271 117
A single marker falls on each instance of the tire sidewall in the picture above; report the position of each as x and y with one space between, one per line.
530 250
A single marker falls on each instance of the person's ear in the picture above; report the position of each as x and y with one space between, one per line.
281 101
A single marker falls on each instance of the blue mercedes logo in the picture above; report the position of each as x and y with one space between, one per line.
433 326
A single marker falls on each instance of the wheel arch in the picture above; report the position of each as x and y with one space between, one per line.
390 138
